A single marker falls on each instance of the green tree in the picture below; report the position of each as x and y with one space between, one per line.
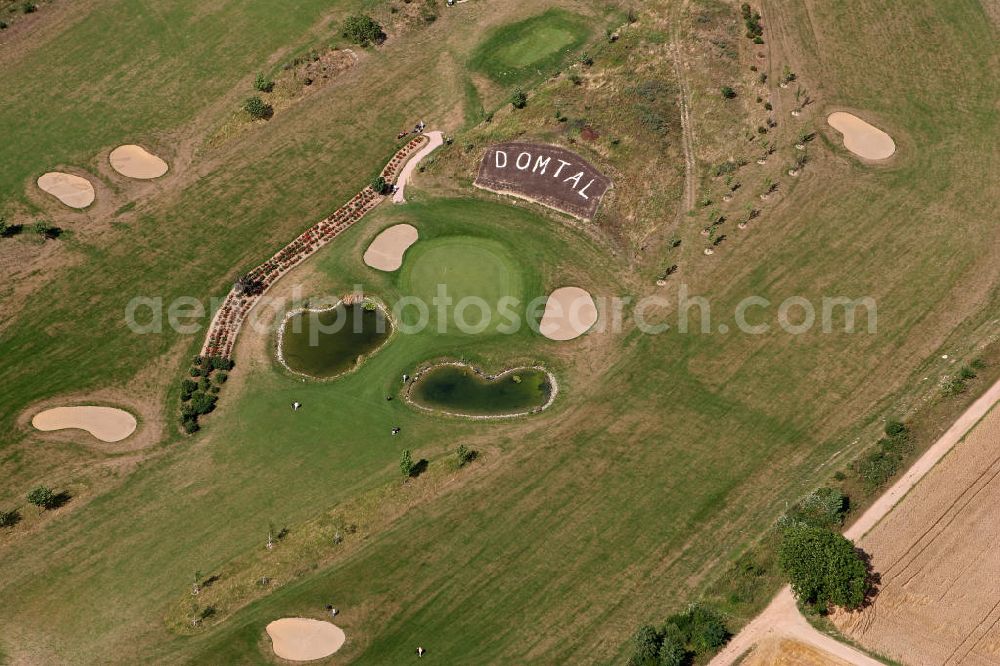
257 108
672 651
46 230
43 497
519 99
645 646
406 463
823 568
363 30
263 84
379 185
465 455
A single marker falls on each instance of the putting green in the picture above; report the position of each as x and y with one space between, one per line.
518 51
478 275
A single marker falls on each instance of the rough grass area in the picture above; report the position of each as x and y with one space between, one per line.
530 49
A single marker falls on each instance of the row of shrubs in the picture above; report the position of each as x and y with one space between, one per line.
200 394
692 634
43 229
751 19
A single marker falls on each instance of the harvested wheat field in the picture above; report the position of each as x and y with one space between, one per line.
862 138
74 191
938 558
788 652
137 162
107 424
302 639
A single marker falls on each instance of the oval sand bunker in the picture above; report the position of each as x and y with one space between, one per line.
386 251
302 639
862 138
569 313
105 423
74 191
136 162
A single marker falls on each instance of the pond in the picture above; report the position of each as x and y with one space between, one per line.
461 390
327 343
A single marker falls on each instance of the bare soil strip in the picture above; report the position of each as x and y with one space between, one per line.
74 191
107 424
303 639
387 250
136 162
862 138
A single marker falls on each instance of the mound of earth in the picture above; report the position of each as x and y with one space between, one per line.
550 175
303 639
569 313
74 191
137 162
386 251
862 138
107 424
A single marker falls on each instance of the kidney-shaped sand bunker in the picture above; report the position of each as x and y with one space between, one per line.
387 250
107 424
136 162
74 191
862 138
303 639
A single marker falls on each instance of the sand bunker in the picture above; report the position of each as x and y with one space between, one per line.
302 639
136 162
74 191
569 313
105 423
386 251
862 138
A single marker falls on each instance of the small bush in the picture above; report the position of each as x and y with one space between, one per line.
406 463
363 30
201 403
953 386
221 376
824 507
221 363
188 388
29 7
728 92
190 425
9 518
978 364
895 429
519 99
257 108
46 230
3 25
42 497
263 84
966 373
379 185
586 60
465 455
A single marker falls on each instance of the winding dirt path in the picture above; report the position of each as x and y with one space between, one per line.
436 140
782 619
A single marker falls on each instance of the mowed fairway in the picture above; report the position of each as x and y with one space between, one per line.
661 460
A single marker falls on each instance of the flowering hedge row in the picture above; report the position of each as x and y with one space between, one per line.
229 318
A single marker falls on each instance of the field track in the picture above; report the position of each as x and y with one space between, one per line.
782 618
